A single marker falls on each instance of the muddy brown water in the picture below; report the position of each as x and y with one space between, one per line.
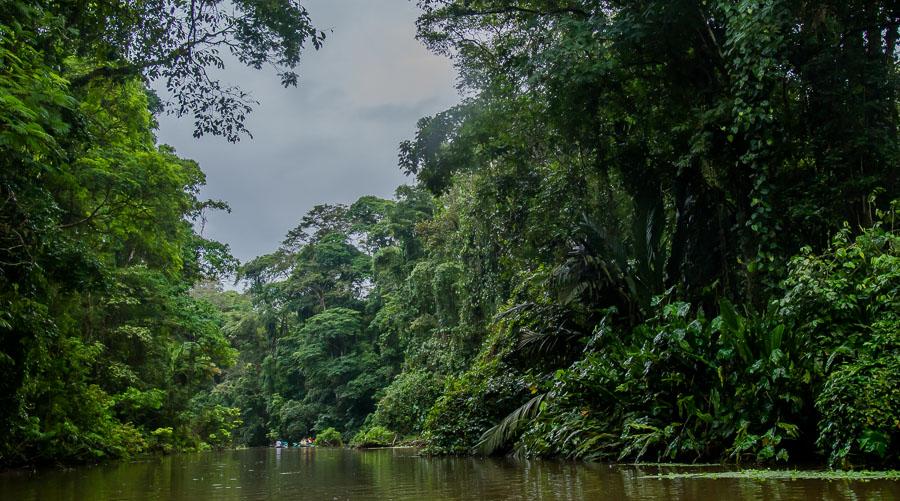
384 474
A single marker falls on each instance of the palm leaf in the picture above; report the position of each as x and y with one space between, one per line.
505 430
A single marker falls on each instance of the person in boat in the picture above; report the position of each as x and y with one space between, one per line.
278 444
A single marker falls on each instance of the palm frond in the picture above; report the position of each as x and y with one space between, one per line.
547 341
505 430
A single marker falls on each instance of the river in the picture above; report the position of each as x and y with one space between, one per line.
337 474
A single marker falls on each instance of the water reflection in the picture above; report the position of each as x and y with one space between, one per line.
304 473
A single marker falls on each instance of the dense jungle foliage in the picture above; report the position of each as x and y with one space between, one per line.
657 230
103 351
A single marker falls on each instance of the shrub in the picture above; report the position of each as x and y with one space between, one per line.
214 425
842 294
407 400
329 437
375 436
471 404
680 387
846 300
860 413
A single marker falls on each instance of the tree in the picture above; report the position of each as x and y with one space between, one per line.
715 110
176 41
99 342
628 170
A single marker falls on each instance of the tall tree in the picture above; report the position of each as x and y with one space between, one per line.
715 110
99 343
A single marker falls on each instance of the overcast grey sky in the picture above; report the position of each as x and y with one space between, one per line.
331 140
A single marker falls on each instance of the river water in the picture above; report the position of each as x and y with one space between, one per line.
337 474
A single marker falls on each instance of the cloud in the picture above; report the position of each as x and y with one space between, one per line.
332 139
399 112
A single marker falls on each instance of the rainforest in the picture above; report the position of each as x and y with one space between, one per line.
662 230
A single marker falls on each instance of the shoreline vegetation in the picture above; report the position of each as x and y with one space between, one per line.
664 231
723 471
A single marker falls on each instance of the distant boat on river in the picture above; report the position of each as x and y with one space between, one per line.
303 443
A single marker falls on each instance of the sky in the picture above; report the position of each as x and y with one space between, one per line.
334 138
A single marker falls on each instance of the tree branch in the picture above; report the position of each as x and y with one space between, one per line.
89 216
